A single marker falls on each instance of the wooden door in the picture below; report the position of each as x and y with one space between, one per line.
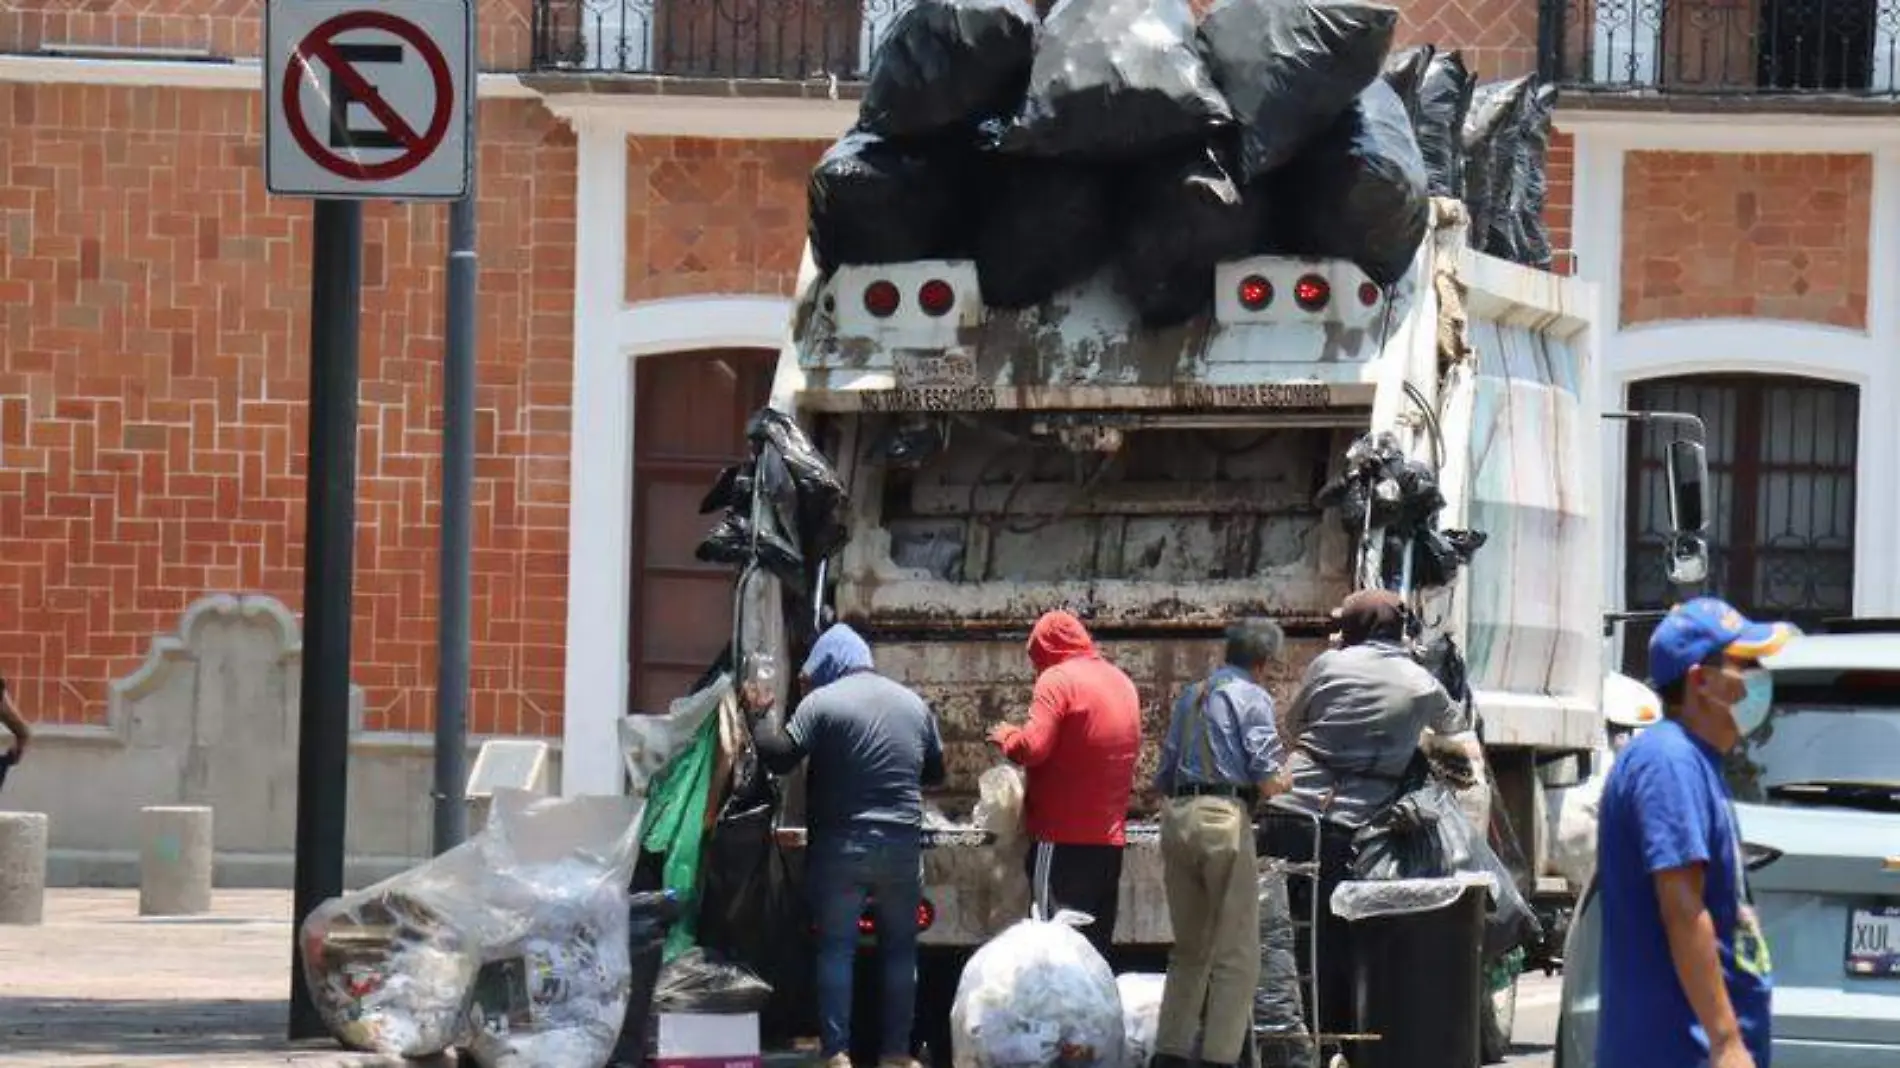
690 413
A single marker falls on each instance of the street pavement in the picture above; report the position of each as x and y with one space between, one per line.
98 986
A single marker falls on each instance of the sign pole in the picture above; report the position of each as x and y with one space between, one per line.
458 484
323 729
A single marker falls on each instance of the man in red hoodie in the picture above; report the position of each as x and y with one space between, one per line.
1079 750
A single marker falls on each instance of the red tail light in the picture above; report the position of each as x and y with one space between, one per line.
1368 294
936 297
1312 292
881 299
1255 292
867 922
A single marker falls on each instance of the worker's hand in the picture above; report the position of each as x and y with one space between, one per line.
1731 1054
1001 734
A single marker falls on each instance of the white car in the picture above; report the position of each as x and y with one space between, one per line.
1817 792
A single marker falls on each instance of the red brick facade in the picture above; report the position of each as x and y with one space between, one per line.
706 216
226 28
1732 235
154 304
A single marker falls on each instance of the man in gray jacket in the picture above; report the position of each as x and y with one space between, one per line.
873 744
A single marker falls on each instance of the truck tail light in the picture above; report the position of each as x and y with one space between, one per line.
882 298
1368 294
1255 293
1312 292
936 297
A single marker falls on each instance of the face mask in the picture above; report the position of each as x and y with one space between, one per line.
1752 710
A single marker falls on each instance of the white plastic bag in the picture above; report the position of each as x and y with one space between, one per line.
1038 996
1573 814
999 810
1141 1014
648 742
999 806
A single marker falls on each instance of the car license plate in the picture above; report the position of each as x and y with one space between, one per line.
1873 942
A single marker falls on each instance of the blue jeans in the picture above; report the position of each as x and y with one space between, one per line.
844 866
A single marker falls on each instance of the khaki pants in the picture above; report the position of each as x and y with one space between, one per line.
1207 853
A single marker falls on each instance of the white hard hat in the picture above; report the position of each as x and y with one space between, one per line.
1628 703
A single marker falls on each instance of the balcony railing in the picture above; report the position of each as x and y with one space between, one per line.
775 40
1757 48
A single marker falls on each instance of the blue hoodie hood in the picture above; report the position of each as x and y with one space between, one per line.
837 652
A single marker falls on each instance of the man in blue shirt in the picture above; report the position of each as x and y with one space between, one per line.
1686 977
1222 754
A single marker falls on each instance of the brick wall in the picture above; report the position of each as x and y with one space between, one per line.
706 216
227 28
1773 236
152 431
1498 37
1560 209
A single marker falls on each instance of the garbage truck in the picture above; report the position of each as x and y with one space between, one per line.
1162 483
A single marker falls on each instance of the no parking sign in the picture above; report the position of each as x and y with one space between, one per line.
368 100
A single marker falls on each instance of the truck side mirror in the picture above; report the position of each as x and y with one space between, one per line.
1688 467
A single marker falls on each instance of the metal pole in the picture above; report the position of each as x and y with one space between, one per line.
323 729
458 478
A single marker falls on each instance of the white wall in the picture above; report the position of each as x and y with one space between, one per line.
1868 358
609 335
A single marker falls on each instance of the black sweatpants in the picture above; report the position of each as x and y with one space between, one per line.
1085 878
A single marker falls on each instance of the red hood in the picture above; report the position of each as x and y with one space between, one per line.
1058 637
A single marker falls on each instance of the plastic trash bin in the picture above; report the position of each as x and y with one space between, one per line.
1417 947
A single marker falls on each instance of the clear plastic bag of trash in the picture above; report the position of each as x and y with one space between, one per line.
999 804
394 968
1141 1014
1279 1015
1362 900
1038 996
700 983
556 974
390 968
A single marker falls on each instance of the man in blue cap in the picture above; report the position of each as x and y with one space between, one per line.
1686 977
873 745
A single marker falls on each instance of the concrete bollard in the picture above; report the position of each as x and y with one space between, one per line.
175 860
22 868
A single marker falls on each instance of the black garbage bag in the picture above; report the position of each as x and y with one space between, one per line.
1115 79
1405 73
1493 129
731 542
751 913
1046 225
652 915
1519 232
946 65
820 493
1291 67
700 982
1438 555
1444 99
872 201
1442 657
1184 215
733 487
1425 835
1357 192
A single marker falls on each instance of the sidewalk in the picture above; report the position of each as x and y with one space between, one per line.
98 986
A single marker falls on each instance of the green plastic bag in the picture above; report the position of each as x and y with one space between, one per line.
676 828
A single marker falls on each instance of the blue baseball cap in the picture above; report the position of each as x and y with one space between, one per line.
1696 630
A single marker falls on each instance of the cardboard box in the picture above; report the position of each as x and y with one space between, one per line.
692 1040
